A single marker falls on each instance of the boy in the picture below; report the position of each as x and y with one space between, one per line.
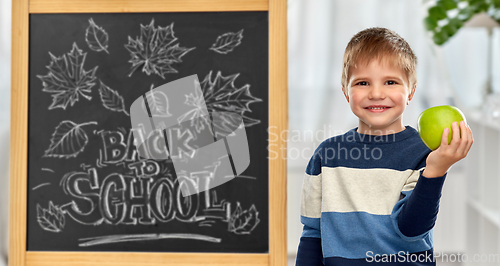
372 194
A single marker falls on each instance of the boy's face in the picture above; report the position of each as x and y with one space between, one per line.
378 94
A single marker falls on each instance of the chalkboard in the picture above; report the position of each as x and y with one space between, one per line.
88 189
114 163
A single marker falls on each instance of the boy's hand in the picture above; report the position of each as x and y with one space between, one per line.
440 160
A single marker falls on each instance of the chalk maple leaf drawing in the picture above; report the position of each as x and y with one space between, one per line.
243 222
68 140
51 219
221 95
155 50
227 42
96 37
67 79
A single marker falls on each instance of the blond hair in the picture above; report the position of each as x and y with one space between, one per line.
381 44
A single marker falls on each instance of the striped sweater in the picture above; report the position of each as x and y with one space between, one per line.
364 200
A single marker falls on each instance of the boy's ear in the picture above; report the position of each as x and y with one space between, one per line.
345 94
412 92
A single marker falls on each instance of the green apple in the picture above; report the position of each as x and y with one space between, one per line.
432 122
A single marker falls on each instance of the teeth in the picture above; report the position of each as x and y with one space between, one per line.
376 108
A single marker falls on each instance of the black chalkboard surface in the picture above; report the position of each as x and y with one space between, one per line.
85 70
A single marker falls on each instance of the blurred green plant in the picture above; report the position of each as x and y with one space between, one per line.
446 17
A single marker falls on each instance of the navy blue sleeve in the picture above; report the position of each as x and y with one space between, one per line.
419 213
309 252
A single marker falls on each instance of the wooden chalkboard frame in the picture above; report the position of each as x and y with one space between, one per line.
278 123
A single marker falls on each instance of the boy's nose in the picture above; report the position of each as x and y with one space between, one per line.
376 92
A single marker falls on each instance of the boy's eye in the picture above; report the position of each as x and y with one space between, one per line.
362 83
391 82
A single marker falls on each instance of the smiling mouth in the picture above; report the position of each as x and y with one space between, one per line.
377 108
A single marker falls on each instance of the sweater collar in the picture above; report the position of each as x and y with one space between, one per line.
353 135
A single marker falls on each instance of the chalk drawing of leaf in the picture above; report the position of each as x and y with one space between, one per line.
221 95
243 222
227 42
111 99
197 115
68 140
51 219
157 102
67 79
96 37
155 50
